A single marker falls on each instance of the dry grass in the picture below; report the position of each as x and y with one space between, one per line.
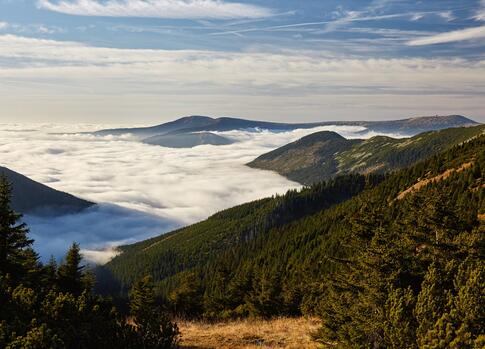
248 334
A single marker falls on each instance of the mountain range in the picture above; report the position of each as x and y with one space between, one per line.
31 197
193 124
387 252
324 155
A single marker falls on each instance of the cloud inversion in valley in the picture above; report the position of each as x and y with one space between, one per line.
154 189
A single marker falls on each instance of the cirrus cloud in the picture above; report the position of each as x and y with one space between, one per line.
174 9
480 14
452 36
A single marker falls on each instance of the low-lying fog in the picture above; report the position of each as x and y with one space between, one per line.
142 190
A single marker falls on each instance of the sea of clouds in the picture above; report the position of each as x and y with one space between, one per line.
141 190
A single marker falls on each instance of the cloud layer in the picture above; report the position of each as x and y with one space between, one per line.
144 190
90 81
176 9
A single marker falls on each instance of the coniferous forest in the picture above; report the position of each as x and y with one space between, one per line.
386 261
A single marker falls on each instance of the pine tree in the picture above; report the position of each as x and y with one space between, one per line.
70 272
152 328
50 273
399 325
265 298
187 299
13 235
142 299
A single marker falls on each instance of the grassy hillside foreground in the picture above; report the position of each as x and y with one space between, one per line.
289 333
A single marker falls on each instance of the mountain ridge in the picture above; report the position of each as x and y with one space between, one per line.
197 123
322 155
31 197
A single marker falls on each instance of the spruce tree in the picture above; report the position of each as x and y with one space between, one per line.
70 272
187 299
142 299
13 235
151 327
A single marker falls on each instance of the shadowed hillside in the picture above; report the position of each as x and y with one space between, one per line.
30 197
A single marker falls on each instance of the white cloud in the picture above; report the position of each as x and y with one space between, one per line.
155 189
447 15
30 28
453 36
98 230
60 81
142 70
480 14
417 16
467 34
178 9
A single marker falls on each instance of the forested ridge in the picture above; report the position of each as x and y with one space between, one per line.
326 154
381 272
222 236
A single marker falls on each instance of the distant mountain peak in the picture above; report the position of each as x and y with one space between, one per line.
443 118
322 136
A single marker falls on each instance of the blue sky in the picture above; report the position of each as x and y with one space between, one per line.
150 61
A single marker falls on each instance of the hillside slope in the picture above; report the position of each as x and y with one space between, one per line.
197 245
323 155
284 233
30 197
380 271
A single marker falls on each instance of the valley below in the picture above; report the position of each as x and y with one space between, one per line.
140 190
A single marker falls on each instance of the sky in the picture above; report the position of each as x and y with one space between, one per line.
151 61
